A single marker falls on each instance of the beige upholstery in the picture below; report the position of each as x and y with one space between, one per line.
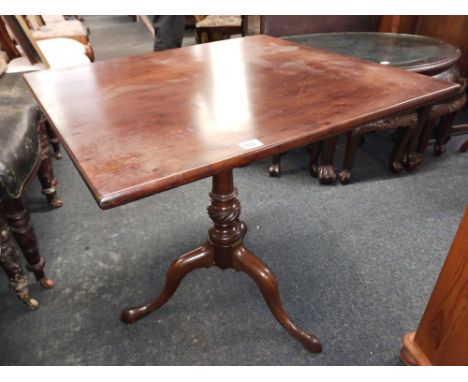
65 28
4 55
3 66
50 19
219 21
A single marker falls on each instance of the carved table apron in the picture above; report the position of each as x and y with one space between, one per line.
226 104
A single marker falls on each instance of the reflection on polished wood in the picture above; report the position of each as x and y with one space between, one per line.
141 125
164 119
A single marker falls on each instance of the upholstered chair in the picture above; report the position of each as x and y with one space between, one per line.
24 153
217 27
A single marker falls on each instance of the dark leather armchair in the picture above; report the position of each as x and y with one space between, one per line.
24 152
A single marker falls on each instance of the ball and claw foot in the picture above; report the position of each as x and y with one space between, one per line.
327 174
439 149
412 161
313 170
396 167
46 283
275 170
344 176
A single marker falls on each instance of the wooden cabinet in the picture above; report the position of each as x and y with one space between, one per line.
442 335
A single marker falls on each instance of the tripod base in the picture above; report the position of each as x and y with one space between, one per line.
225 249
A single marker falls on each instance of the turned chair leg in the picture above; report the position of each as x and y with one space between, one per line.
20 223
418 141
314 154
326 170
54 141
45 173
353 142
11 264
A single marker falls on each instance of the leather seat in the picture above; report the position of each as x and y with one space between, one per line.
23 154
19 142
19 148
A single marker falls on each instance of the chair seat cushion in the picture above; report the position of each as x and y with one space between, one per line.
51 19
67 28
214 21
19 143
63 52
19 148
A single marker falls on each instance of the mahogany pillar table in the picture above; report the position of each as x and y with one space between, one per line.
141 125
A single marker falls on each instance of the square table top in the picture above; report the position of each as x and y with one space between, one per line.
140 125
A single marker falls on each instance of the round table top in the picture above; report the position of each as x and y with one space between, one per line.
410 52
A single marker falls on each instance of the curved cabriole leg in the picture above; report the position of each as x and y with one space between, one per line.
445 127
399 147
226 238
20 223
11 264
224 249
414 155
245 262
275 167
314 154
54 141
201 257
464 147
353 141
45 173
326 169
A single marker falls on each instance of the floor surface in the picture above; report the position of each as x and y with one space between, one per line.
355 264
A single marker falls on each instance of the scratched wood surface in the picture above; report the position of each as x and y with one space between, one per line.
141 125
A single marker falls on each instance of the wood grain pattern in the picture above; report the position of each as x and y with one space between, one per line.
442 335
141 125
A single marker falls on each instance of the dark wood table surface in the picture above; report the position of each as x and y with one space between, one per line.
414 53
141 125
